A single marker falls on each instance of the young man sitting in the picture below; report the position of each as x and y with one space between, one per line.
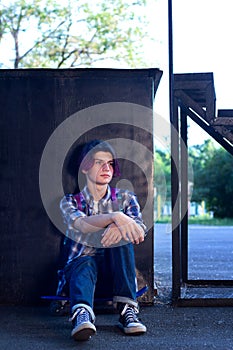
104 224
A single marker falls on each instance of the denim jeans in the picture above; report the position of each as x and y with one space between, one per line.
109 273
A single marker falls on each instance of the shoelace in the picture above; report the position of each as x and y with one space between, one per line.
81 314
129 312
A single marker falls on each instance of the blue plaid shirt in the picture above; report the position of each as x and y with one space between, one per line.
80 244
76 206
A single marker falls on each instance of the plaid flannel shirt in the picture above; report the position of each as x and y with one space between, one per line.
83 244
78 244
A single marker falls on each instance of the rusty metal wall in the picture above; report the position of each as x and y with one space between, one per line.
34 103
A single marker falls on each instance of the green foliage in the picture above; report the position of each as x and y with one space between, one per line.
162 174
201 220
72 33
212 175
213 178
205 220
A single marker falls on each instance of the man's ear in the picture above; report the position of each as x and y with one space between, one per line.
84 171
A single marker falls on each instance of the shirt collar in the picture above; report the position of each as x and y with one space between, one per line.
89 197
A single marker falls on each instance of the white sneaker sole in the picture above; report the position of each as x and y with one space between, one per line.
133 330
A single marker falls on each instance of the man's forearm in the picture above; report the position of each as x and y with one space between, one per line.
89 224
128 228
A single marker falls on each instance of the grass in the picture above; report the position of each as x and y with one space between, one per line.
201 220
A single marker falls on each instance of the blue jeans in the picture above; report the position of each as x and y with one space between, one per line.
109 273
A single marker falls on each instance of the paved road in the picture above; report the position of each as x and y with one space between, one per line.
210 254
189 328
32 328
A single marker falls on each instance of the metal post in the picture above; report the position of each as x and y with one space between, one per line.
170 49
175 174
184 195
174 168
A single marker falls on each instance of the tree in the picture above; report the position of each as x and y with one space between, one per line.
219 177
162 174
199 156
72 33
213 178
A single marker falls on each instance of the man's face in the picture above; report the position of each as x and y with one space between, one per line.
101 172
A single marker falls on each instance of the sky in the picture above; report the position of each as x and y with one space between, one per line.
202 42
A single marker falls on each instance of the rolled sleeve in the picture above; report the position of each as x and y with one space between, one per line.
70 212
133 210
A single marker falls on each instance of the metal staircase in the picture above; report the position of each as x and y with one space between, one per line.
223 124
194 97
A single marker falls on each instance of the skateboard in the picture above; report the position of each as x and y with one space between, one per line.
59 304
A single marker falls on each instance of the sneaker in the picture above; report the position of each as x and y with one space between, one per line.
83 327
129 321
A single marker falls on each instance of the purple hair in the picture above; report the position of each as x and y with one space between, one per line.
93 147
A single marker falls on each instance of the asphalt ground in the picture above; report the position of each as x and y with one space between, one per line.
34 328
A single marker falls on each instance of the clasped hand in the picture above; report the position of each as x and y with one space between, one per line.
122 227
